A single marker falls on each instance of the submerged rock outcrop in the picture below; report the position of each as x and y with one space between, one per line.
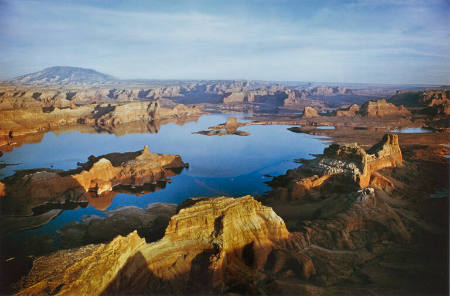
28 189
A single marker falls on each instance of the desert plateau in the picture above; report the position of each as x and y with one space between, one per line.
207 154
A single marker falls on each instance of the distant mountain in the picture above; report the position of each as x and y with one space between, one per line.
63 75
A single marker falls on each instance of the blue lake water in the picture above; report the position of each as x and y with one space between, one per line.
412 130
219 165
325 127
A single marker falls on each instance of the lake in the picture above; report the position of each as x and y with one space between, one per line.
227 165
412 130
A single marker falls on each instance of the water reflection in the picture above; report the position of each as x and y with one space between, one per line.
227 165
412 130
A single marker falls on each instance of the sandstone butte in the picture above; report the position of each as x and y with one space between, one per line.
378 108
219 245
310 112
349 162
100 174
350 111
382 108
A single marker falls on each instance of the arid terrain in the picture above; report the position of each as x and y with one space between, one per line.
367 216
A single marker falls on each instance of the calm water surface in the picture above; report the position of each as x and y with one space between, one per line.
412 130
219 165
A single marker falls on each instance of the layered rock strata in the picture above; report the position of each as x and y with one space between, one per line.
349 162
438 101
212 243
381 108
226 245
350 111
18 123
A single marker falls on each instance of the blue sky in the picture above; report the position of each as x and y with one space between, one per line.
384 41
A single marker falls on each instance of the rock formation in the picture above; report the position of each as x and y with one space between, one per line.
328 91
114 115
150 224
274 96
228 128
438 101
210 245
310 112
350 111
348 162
226 245
28 189
293 98
381 108
235 97
17 123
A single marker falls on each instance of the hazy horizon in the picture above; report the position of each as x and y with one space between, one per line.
382 42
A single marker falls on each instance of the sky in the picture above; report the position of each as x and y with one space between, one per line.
379 41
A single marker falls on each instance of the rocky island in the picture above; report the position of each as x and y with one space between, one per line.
34 192
228 128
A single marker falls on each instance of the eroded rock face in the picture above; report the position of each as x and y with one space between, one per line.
352 160
19 122
114 115
348 162
150 224
329 90
382 108
100 174
220 245
350 111
212 243
438 101
310 112
274 95
294 98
